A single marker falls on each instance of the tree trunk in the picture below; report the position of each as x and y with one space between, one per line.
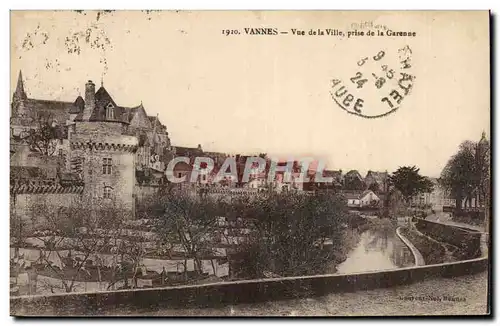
197 265
185 270
458 204
213 266
487 213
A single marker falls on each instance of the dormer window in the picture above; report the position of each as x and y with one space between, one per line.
110 111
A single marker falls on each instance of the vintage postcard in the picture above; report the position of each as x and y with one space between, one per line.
250 163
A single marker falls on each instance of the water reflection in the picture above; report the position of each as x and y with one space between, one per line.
377 250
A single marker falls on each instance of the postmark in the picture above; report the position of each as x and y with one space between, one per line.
378 85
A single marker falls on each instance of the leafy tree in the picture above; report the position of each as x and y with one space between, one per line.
409 182
467 173
292 231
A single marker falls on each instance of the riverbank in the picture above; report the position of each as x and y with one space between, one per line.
419 259
432 251
446 218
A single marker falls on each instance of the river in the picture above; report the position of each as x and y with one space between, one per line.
377 249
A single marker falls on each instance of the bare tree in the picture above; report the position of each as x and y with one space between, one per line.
129 257
82 234
190 221
43 137
18 228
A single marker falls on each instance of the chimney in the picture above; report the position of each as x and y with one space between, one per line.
89 100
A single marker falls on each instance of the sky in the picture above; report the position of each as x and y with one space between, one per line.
271 94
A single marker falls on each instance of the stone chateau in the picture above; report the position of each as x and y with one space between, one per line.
96 152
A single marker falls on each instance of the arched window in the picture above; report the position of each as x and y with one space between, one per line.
108 192
110 111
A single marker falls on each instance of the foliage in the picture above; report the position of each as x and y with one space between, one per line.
409 182
467 173
292 231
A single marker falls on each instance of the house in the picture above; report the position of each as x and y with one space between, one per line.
376 181
191 152
360 199
437 199
286 181
354 181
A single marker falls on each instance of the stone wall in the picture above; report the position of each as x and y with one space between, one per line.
34 208
225 293
466 239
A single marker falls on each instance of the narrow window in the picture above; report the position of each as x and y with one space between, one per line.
106 165
108 192
110 112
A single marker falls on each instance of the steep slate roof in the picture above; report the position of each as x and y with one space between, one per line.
19 93
152 119
69 178
366 192
60 110
28 172
336 175
57 110
356 194
352 194
139 118
102 99
187 151
78 106
332 173
131 112
353 173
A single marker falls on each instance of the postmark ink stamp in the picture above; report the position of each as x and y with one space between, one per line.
378 86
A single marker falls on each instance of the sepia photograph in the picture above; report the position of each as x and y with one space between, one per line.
250 163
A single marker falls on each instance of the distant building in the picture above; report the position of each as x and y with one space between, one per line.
437 199
354 181
360 199
377 181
